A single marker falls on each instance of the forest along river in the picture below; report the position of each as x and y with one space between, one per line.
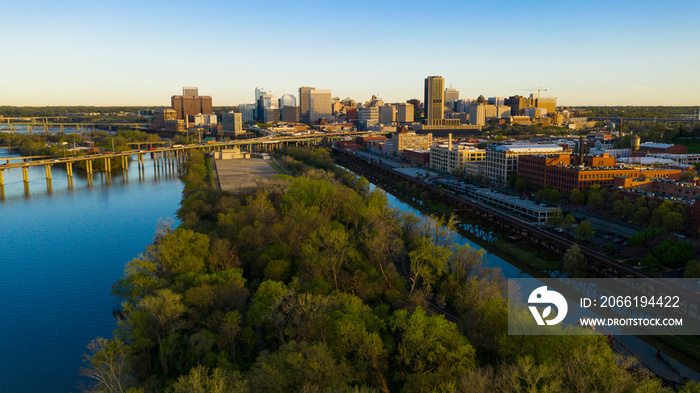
60 253
513 268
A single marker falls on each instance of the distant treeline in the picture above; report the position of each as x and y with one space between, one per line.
650 112
40 111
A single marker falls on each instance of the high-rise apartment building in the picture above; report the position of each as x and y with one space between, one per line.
320 105
405 113
434 100
190 91
304 103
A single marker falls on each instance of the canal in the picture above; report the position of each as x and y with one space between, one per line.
645 348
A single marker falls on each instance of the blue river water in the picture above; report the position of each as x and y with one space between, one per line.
60 253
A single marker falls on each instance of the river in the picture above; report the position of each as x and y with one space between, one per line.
60 253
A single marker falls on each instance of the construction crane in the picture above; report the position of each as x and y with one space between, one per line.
538 90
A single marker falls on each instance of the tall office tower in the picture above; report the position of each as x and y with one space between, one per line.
259 92
287 100
497 101
434 100
247 112
320 105
290 114
233 122
387 114
405 113
265 102
304 103
548 103
188 106
367 116
190 91
451 94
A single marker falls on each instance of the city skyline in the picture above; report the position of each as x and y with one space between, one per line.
606 53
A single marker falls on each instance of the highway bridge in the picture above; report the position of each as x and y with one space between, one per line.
640 120
160 155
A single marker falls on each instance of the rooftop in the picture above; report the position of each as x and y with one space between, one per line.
528 148
656 145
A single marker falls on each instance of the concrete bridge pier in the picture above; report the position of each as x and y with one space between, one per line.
125 163
24 175
49 186
2 179
26 190
108 165
2 193
48 171
69 169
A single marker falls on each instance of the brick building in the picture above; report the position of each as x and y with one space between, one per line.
662 148
563 172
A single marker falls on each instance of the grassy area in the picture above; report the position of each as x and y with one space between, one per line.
689 345
693 145
528 257
276 167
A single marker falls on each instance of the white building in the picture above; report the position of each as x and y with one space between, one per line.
502 160
449 157
367 117
479 113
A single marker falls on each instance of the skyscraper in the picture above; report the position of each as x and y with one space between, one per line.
319 105
259 92
304 103
434 100
190 91
188 106
451 94
287 100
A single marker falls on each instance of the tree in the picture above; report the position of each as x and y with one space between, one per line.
328 247
427 262
568 222
555 217
573 262
430 351
692 269
183 251
108 365
201 379
585 230
673 222
577 197
165 309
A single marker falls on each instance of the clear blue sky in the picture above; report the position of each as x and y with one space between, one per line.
611 52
